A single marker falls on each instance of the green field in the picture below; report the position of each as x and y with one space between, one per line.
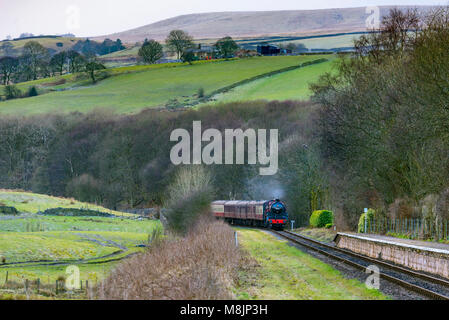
281 271
41 247
131 89
342 41
28 202
35 246
331 42
291 85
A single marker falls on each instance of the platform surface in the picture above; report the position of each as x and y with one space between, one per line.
416 244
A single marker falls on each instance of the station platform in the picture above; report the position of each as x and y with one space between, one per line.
430 257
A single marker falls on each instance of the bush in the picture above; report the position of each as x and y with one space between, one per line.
8 210
200 266
32 92
12 92
329 225
370 215
189 198
200 92
74 212
320 218
188 57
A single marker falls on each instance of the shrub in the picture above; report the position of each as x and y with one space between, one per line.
189 198
201 265
200 92
370 215
74 212
329 225
12 92
32 92
320 218
188 57
156 236
8 210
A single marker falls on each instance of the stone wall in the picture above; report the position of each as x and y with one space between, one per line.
435 261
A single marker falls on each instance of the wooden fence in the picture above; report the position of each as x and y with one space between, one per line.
37 287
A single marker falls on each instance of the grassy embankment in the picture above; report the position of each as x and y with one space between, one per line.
281 271
130 89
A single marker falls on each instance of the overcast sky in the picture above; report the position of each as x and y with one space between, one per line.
100 17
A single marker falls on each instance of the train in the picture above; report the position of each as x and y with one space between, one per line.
270 214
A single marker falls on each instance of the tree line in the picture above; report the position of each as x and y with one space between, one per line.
37 62
383 125
181 44
124 160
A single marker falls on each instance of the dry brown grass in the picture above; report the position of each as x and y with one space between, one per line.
202 265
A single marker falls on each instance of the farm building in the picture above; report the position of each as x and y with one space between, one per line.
204 52
271 50
268 50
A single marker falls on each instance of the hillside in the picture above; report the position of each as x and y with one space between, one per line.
55 44
256 23
131 89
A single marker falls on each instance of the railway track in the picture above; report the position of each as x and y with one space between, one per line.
426 285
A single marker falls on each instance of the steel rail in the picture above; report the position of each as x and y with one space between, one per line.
413 287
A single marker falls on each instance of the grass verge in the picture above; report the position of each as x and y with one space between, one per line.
279 271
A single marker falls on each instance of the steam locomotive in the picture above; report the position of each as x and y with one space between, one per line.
265 213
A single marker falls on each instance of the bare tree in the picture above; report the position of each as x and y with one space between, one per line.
36 57
179 41
8 66
92 67
226 47
58 61
151 51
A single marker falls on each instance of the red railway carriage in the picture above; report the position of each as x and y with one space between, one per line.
268 213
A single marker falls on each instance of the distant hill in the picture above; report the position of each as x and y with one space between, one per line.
257 23
53 43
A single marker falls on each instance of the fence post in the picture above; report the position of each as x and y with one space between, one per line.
38 283
6 278
236 239
365 211
56 286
